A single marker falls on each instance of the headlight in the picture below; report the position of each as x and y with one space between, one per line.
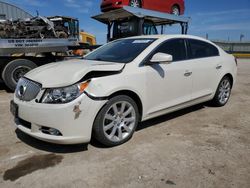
64 94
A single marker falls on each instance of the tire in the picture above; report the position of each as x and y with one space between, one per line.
175 10
223 92
135 3
113 127
15 70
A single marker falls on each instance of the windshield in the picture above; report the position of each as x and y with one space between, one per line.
122 51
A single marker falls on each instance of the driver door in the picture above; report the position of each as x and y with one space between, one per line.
169 85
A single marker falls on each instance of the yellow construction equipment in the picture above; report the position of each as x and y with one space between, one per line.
87 38
84 40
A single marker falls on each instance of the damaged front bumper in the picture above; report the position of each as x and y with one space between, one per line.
69 123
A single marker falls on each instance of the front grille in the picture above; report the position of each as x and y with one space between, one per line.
27 90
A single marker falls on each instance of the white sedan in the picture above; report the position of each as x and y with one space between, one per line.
106 93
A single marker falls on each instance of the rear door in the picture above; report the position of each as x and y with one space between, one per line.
206 67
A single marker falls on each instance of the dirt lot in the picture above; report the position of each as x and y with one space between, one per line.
200 146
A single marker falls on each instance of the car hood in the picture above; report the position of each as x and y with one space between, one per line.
65 73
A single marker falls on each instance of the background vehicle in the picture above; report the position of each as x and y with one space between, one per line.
40 27
168 6
26 44
121 83
85 40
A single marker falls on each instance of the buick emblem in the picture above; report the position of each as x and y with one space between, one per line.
21 91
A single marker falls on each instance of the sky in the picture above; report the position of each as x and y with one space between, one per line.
219 19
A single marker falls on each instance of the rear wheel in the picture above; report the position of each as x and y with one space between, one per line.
223 92
175 10
117 121
135 3
14 70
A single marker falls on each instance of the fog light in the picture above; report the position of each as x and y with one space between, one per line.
50 131
54 131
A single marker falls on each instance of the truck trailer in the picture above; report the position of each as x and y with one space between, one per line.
26 44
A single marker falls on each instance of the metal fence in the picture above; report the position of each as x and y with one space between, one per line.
234 47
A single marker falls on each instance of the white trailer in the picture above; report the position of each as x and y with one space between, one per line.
18 56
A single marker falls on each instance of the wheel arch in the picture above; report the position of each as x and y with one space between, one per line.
229 75
177 5
142 3
132 95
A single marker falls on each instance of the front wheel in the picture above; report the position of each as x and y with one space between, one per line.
223 92
116 121
135 3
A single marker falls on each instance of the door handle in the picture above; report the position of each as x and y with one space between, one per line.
188 73
218 66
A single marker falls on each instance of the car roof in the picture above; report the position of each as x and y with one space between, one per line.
172 36
169 36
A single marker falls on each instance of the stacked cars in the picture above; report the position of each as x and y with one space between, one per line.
176 7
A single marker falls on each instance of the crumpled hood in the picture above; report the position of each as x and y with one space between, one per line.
65 73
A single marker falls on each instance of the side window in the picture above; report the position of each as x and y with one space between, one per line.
174 47
201 49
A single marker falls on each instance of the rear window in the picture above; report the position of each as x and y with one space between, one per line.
201 49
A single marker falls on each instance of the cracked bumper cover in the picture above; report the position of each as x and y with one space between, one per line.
74 120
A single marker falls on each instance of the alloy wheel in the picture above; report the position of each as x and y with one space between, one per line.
224 91
135 3
119 121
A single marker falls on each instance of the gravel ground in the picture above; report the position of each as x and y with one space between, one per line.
201 146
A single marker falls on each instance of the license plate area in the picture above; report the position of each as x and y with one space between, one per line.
14 108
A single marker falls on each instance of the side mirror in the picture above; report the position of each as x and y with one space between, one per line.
161 58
